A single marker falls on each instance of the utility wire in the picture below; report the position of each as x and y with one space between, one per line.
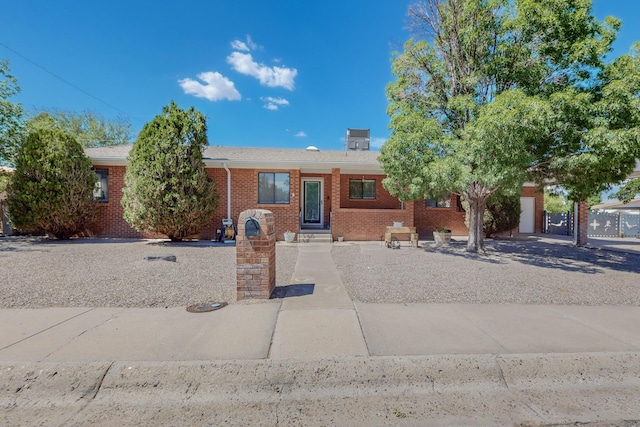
67 82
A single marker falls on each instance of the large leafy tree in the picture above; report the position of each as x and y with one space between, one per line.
10 115
490 93
555 201
629 190
167 189
51 189
90 129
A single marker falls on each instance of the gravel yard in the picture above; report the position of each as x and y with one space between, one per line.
35 272
520 272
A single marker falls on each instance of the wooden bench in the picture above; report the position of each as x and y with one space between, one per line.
401 230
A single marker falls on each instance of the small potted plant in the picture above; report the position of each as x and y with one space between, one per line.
289 236
442 234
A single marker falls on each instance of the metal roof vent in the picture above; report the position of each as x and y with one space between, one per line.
358 139
312 148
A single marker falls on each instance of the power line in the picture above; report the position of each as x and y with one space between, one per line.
67 82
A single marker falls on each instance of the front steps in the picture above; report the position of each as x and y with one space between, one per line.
314 236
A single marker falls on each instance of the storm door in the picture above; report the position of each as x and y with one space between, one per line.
312 207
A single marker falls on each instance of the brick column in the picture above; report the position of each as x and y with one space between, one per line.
335 189
256 255
583 223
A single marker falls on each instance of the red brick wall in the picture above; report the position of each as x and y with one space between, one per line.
244 195
110 222
383 199
428 219
367 224
353 219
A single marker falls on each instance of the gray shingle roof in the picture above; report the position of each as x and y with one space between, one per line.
243 157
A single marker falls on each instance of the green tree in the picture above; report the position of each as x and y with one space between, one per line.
556 202
501 214
498 92
167 189
10 115
51 189
90 129
5 177
628 191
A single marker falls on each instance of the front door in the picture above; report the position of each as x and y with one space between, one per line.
312 207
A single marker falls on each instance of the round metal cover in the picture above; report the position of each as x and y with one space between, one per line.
206 307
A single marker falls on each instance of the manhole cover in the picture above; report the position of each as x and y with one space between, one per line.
203 308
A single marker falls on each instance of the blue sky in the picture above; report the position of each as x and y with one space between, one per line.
265 73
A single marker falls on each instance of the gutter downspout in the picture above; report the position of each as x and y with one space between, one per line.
228 190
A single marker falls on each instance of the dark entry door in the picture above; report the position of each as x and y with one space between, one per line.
312 213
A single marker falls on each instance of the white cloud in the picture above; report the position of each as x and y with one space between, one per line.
377 142
300 134
273 103
217 87
238 45
268 76
252 45
246 47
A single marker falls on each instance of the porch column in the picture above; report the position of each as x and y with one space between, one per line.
335 189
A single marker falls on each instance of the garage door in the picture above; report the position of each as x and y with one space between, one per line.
528 215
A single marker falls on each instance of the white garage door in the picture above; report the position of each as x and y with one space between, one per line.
528 215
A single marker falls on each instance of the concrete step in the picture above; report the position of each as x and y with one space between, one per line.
315 236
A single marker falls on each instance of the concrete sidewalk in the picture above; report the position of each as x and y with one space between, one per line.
290 330
513 354
314 319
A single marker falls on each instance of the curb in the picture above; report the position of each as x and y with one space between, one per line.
527 389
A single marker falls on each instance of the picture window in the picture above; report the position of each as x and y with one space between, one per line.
362 189
273 187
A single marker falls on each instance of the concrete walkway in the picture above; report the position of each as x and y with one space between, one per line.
322 324
313 357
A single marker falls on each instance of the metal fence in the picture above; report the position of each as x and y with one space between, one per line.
599 224
558 223
630 225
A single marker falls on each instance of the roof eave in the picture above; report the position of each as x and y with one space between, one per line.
308 166
109 161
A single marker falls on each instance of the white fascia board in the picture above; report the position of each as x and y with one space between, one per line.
305 167
109 161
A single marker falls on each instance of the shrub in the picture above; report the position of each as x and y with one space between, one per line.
167 189
52 186
501 214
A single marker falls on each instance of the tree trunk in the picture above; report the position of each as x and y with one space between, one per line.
476 195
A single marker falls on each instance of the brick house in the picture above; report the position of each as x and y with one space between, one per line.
339 192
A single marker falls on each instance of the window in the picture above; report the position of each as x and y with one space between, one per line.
101 192
362 188
443 202
273 187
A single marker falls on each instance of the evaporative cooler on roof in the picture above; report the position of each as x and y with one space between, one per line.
358 139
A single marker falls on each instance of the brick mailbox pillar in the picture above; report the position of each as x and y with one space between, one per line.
256 254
